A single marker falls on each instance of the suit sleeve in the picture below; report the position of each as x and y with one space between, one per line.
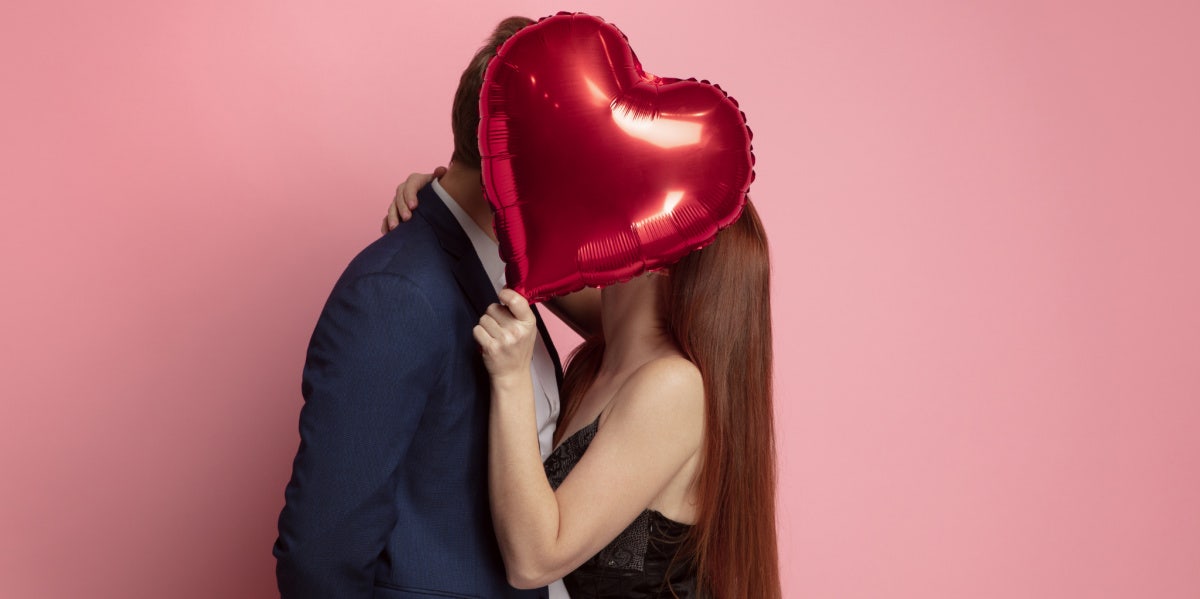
371 365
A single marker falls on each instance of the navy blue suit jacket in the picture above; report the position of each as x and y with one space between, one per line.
388 495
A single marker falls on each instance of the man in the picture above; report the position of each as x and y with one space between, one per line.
388 495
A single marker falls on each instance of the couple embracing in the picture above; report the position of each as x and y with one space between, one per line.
444 453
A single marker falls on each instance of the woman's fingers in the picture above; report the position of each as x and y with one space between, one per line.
499 322
517 306
506 341
492 327
482 337
406 194
418 181
398 211
405 199
501 315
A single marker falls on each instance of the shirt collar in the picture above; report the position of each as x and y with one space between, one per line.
487 249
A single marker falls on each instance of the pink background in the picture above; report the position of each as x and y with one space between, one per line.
984 218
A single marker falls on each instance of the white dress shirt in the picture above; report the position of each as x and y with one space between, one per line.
545 383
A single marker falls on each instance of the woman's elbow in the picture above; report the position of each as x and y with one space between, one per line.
529 576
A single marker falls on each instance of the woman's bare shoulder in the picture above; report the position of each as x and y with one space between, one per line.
667 388
672 371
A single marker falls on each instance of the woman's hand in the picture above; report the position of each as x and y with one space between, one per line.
405 200
506 334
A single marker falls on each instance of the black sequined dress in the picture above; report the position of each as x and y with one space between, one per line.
645 561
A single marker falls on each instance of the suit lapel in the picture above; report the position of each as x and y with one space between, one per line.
468 270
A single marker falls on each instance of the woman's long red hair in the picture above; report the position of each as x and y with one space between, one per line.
717 306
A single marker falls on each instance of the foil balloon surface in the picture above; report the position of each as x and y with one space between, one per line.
598 171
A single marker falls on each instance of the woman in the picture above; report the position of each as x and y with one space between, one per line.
662 482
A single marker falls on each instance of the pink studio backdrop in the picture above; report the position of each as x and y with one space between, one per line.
983 217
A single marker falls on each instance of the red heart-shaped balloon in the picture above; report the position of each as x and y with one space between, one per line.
596 170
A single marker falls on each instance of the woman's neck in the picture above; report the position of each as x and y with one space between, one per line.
634 329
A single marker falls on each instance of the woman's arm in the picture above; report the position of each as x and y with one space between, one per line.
651 431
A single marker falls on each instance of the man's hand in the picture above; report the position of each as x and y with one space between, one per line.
406 198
